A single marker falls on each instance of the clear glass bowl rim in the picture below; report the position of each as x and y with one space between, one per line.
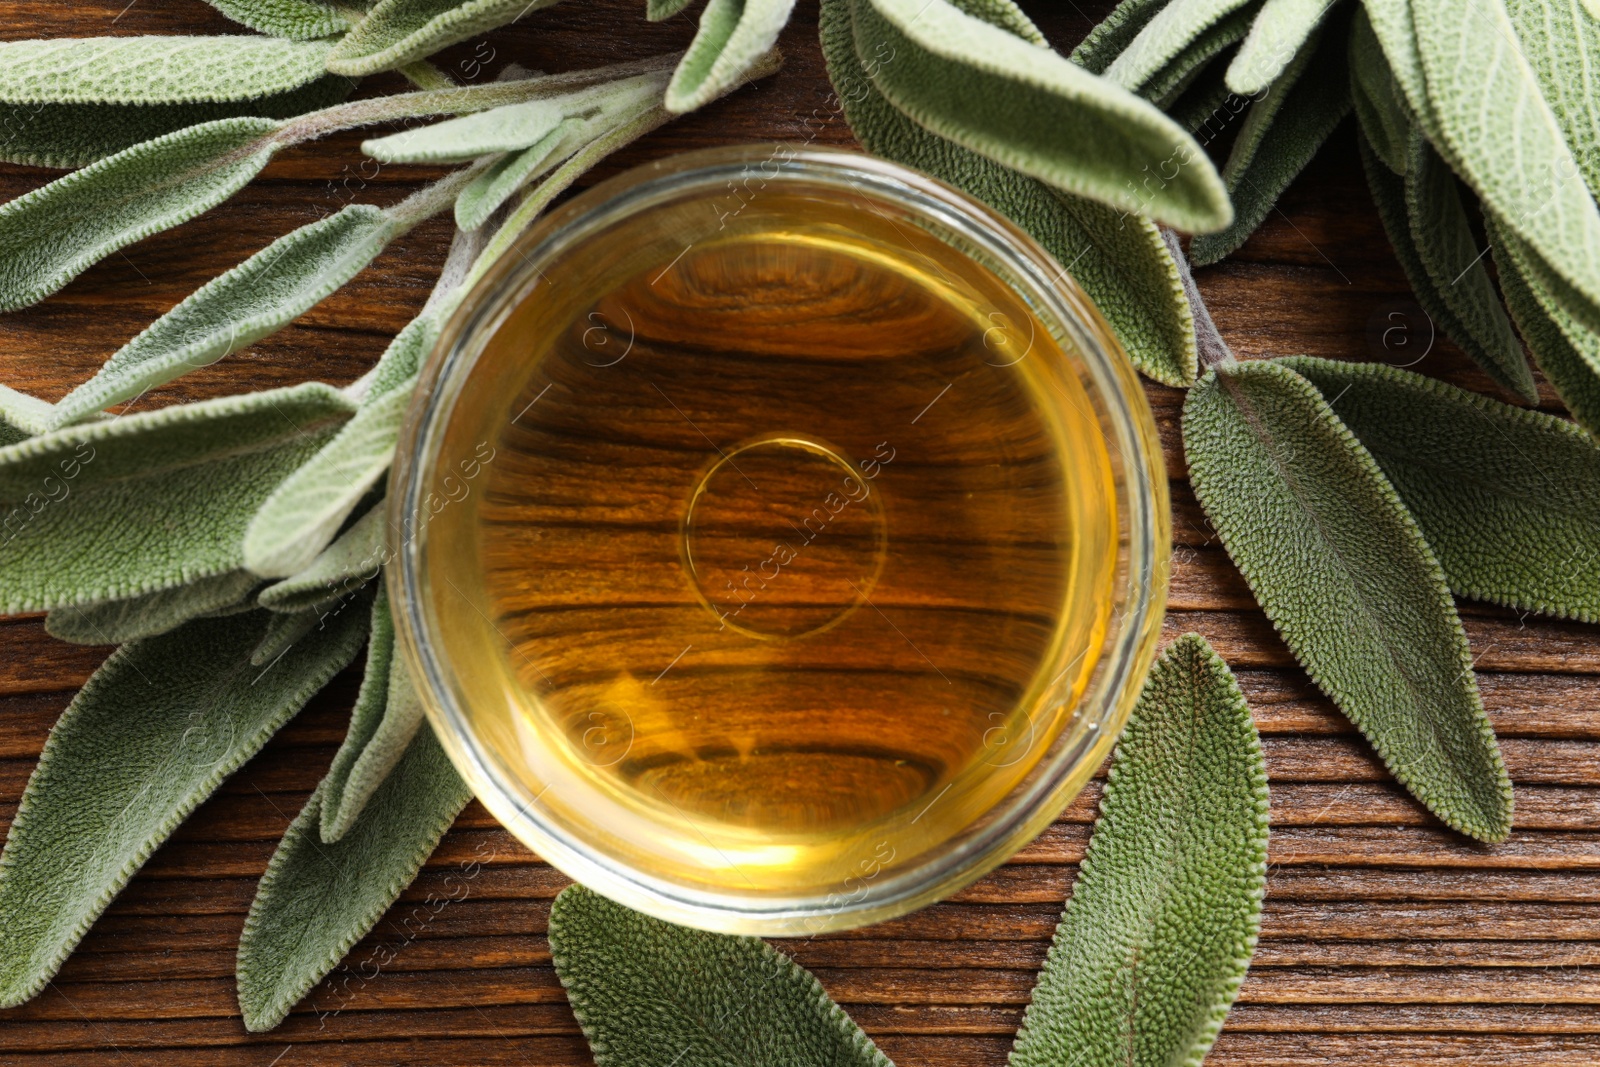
1141 482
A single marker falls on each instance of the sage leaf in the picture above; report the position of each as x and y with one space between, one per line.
501 181
1392 26
1504 140
1377 96
75 135
1281 30
386 717
1175 27
283 633
397 32
1112 34
111 622
145 741
1117 258
403 358
1166 84
660 10
155 70
354 559
55 232
304 514
1281 134
645 991
253 300
1567 352
123 507
21 416
1342 570
1030 110
317 900
1505 497
1159 930
733 35
1560 41
1450 254
300 20
502 129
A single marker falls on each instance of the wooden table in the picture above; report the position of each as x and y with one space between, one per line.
1387 939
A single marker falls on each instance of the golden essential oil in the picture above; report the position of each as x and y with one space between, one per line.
771 559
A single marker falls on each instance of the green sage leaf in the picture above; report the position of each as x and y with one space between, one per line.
253 300
1504 140
397 32
1560 41
1159 930
1023 106
75 135
124 507
500 182
55 232
305 512
317 900
733 35
1567 351
283 633
1392 27
152 734
660 10
1342 570
354 559
1377 96
1172 29
1112 35
300 20
1281 133
1450 254
155 70
502 129
1280 31
1166 84
386 717
641 987
111 622
21 416
1505 497
1117 258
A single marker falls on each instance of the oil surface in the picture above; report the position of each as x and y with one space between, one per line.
776 557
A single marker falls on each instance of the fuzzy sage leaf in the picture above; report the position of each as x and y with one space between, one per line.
155 70
150 736
1505 497
489 190
1161 40
1009 99
397 32
733 35
123 507
354 559
502 129
1279 32
257 298
111 622
300 20
1118 258
1162 922
728 1000
317 900
1342 570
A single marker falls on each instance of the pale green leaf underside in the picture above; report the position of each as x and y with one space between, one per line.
1449 252
733 35
1161 925
403 358
112 622
1175 27
353 560
1112 35
1342 570
1279 32
1165 86
1133 283
458 140
303 515
318 900
1281 134
1505 497
75 135
155 70
1561 42
152 734
1033 111
300 20
396 32
123 507
1566 350
640 986
495 186
1503 139
1379 105
21 416
253 300
55 232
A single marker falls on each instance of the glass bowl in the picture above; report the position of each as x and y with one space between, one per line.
863 715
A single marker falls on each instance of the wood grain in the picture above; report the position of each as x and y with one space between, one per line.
1386 938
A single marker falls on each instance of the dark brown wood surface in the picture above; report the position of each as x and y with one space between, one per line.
1386 940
